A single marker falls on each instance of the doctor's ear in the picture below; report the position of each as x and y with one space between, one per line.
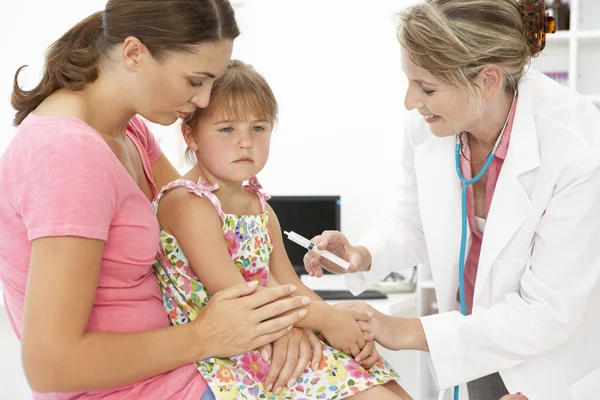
189 135
490 81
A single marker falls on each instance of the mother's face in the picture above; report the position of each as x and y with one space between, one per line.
167 89
447 109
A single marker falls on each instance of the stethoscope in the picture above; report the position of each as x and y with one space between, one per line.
465 185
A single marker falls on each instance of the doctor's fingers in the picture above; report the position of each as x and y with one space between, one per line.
362 316
311 266
317 263
368 327
329 239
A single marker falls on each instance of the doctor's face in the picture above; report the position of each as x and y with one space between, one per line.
445 108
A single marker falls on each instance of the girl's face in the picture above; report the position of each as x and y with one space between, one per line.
229 150
171 88
446 109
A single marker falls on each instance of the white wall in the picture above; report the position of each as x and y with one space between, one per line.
334 66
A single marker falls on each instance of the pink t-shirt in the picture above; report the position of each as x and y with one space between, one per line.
472 261
60 178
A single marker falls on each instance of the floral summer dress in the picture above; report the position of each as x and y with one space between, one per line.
240 377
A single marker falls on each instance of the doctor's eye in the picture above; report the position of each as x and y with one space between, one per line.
427 92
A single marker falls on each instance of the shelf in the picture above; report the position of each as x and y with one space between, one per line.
593 97
426 285
589 35
559 36
565 36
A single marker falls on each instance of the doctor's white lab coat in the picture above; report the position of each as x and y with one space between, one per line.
536 315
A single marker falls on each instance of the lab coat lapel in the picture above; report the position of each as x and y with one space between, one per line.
439 192
510 202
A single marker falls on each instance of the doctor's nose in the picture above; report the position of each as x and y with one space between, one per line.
411 100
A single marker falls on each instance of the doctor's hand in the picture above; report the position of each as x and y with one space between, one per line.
335 242
343 332
394 333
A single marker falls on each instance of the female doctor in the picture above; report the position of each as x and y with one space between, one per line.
528 276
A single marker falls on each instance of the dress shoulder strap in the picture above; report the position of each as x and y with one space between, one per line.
255 187
201 188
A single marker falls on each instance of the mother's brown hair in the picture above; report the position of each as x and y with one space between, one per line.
162 25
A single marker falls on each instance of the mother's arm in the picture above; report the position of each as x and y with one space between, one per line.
60 355
164 172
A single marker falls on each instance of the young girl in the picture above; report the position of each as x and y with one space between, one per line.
217 232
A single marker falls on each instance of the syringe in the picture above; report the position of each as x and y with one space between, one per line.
304 242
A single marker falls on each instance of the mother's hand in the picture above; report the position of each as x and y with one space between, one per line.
291 355
239 319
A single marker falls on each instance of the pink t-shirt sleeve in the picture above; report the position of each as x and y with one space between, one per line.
70 188
146 138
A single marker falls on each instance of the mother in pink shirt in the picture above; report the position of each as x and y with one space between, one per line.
78 236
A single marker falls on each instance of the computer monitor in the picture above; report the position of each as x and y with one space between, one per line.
307 216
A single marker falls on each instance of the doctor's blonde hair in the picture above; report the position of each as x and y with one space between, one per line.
455 39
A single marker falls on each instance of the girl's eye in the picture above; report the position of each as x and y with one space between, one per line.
258 128
226 130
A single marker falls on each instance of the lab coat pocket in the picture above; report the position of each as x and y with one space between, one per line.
586 388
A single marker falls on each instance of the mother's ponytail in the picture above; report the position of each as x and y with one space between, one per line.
71 63
161 25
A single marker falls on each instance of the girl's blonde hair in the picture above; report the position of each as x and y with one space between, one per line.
455 39
239 93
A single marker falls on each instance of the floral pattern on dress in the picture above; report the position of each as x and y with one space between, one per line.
241 377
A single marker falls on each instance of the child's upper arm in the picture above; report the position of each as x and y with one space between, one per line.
280 265
196 225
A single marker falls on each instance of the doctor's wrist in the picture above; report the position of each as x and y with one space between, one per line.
411 335
365 258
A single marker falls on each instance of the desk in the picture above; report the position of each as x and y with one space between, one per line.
396 303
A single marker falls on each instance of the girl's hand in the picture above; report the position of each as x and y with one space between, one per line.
335 242
239 319
343 332
369 355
